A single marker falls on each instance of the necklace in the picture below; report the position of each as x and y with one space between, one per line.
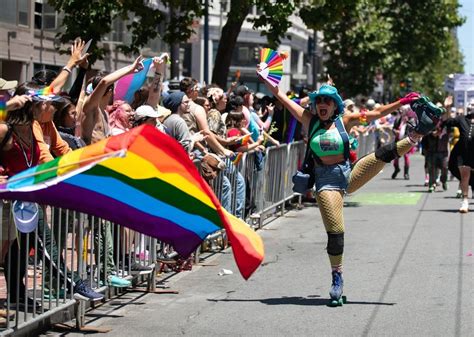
30 161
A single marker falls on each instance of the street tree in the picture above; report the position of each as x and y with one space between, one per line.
273 22
401 37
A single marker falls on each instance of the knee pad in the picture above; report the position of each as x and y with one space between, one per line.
387 153
335 244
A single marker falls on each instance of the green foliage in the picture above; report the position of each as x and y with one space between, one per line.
93 20
274 21
82 18
404 38
179 24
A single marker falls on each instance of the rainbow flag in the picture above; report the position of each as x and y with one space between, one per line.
144 180
46 91
128 85
244 140
236 158
3 109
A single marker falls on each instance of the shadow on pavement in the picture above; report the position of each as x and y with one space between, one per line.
314 300
351 204
452 210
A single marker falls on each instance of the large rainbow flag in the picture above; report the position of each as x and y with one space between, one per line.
144 180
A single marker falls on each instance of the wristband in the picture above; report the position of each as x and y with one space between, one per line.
66 68
158 74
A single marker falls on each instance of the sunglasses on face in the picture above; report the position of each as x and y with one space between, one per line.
323 99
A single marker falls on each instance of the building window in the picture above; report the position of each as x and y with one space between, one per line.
45 16
15 12
23 12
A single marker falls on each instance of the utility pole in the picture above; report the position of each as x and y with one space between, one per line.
206 41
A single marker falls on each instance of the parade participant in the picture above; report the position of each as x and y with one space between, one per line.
435 146
400 129
461 160
329 147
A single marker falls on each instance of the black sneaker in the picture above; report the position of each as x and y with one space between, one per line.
83 292
428 115
138 269
31 305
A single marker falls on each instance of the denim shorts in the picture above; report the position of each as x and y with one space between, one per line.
332 177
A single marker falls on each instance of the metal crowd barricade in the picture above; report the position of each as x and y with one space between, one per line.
40 269
366 143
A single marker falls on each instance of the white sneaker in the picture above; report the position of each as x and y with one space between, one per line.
464 206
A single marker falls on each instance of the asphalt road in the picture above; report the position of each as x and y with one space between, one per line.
408 272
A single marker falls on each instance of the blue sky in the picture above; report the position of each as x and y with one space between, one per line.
465 35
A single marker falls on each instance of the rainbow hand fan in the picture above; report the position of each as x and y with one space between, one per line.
271 66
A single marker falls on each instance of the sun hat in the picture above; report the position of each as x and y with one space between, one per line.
7 85
162 111
330 91
348 102
25 215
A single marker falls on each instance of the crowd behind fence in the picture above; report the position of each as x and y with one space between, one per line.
79 255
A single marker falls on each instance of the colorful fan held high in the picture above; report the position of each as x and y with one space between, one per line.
271 66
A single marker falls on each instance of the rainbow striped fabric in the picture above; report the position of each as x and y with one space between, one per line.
46 91
128 85
236 158
244 140
3 109
144 180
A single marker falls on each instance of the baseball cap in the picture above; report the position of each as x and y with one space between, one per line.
146 111
7 85
370 103
242 90
25 215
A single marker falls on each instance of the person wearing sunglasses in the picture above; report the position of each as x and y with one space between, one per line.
329 149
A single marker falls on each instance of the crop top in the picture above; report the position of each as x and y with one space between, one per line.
327 143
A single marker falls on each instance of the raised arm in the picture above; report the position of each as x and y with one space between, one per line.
361 118
303 116
94 100
159 64
75 59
